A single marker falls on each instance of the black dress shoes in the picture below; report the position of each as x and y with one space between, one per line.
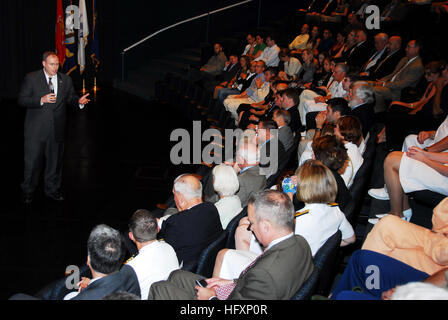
27 198
57 196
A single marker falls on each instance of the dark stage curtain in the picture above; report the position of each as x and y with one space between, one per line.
26 31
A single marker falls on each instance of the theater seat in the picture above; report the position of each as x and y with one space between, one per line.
231 227
207 259
321 279
422 204
325 260
361 183
308 288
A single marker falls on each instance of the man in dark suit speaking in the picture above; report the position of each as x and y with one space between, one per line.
45 93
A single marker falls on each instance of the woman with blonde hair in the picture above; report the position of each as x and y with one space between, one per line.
321 217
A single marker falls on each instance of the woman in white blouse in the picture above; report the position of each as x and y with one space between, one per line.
292 66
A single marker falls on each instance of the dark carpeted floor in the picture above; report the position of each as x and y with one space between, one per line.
116 161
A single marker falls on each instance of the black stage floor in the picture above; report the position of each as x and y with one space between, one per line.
116 161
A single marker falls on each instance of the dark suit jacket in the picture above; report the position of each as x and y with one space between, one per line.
382 56
42 121
190 231
385 66
360 54
278 273
124 280
229 73
246 82
295 123
366 116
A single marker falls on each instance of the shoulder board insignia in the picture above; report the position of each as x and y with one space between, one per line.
333 204
301 213
127 261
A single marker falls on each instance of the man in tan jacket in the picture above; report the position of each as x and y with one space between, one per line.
407 74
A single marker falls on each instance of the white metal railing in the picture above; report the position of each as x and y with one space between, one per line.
208 14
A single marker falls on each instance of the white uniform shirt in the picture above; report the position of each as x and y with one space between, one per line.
270 56
355 162
293 67
317 222
154 262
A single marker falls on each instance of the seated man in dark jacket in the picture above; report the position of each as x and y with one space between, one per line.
362 100
106 252
195 226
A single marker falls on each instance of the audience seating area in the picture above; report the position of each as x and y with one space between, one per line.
196 102
192 97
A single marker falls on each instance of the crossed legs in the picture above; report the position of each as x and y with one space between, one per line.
398 199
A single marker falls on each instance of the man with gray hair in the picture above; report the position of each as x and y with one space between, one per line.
283 118
277 274
390 61
381 40
196 224
249 175
105 255
361 101
310 101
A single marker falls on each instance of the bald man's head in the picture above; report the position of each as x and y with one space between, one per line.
381 40
246 155
188 186
394 43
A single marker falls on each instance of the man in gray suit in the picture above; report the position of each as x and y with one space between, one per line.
249 176
45 93
407 74
276 274
282 118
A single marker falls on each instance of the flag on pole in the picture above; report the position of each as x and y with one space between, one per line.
94 46
71 23
60 33
83 34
